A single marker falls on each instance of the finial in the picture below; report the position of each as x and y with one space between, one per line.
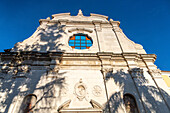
48 18
80 13
111 20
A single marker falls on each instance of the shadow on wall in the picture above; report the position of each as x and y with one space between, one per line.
14 88
46 40
150 94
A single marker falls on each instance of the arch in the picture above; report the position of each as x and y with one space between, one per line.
130 103
28 103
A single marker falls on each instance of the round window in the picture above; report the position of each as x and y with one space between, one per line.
80 41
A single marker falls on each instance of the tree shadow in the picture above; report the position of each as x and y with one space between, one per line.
17 86
152 99
49 91
11 84
47 39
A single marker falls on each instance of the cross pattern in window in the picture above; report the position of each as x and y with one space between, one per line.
80 42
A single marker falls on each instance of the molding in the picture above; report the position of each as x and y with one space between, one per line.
60 14
98 15
80 29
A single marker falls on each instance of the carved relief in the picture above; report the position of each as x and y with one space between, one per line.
15 72
97 90
24 69
80 90
107 70
4 69
136 73
53 70
155 72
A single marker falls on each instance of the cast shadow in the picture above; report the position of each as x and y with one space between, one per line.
47 39
13 87
124 81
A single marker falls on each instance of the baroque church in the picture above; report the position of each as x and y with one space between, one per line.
81 64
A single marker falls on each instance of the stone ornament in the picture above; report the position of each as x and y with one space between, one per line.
155 72
80 90
97 90
53 70
107 70
4 69
24 69
136 73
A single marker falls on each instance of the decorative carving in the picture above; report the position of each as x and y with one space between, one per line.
13 71
137 73
53 70
107 70
97 90
24 68
4 69
80 29
155 72
80 90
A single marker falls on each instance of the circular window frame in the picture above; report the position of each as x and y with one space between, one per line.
86 47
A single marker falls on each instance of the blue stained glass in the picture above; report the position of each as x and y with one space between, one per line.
89 45
71 44
77 41
83 44
83 41
72 41
77 47
89 41
77 44
78 37
80 42
83 38
83 47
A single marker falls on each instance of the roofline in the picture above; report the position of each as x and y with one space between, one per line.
164 71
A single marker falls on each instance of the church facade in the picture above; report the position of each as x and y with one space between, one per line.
80 64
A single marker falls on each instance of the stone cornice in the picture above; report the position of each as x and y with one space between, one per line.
116 23
80 29
60 14
108 59
98 15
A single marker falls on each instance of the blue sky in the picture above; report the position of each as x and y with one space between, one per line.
146 22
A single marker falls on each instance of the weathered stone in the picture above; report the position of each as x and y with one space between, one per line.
44 73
